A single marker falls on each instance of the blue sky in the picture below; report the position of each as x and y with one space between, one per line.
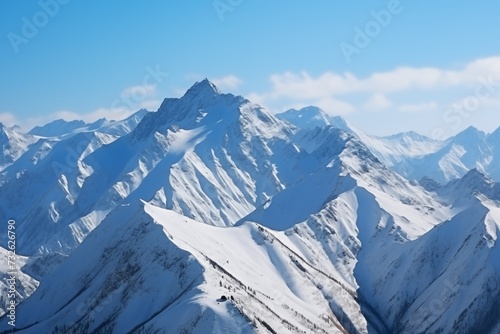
387 66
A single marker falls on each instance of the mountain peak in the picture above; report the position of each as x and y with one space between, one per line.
202 88
6 131
470 136
495 136
340 123
99 123
471 131
475 174
411 135
306 118
311 109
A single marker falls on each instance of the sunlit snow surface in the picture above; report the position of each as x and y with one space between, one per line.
309 224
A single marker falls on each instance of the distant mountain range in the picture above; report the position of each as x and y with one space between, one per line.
415 156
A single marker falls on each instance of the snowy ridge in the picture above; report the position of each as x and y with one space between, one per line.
304 225
223 262
415 156
306 118
62 129
25 285
369 230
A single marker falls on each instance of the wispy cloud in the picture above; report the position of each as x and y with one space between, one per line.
420 107
8 119
129 101
109 114
112 114
377 102
228 82
334 106
348 90
302 85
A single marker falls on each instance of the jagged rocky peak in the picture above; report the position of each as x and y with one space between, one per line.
470 184
474 174
99 123
471 134
13 133
203 89
183 112
429 184
477 179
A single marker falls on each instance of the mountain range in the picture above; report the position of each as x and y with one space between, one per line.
212 215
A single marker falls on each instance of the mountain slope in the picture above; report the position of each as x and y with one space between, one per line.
210 156
180 269
415 156
143 225
380 232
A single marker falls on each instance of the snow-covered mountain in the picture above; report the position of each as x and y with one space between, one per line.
470 149
306 118
206 147
212 215
61 128
415 156
57 128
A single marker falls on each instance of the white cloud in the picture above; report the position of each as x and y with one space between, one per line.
334 107
193 77
151 105
420 107
8 119
229 82
256 98
377 102
325 90
130 100
304 86
491 102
